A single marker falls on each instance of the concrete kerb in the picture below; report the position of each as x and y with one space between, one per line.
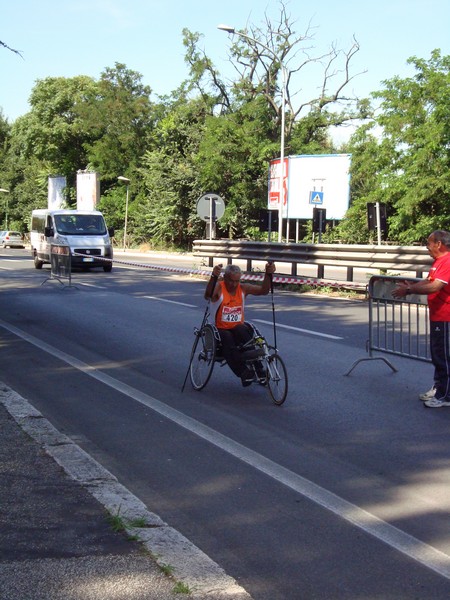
189 565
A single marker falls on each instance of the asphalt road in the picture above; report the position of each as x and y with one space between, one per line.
340 493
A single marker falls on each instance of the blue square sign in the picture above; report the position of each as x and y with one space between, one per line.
316 197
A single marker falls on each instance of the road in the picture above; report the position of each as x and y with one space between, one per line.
341 493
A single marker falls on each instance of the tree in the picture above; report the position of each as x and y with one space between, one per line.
408 165
369 158
53 130
170 174
5 129
78 123
120 116
258 56
243 133
262 71
414 120
232 161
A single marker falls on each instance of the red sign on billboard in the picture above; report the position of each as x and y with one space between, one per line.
274 185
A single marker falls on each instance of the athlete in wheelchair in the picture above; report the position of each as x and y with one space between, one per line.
229 339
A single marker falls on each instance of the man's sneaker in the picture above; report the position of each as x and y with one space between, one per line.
261 373
428 395
435 403
247 377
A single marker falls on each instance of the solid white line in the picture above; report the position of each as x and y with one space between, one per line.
424 554
170 301
325 335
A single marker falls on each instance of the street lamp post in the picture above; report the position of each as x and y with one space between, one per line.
127 182
6 211
233 31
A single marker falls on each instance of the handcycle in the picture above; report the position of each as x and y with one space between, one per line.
262 359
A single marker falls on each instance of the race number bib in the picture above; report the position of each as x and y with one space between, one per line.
232 314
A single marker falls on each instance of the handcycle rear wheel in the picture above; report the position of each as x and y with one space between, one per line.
203 356
277 379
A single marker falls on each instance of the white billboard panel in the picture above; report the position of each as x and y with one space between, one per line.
319 180
88 190
55 193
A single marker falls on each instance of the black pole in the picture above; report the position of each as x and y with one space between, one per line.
273 313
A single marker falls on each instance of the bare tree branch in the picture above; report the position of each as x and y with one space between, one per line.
12 49
276 45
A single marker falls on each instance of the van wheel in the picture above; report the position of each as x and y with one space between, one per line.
38 263
107 268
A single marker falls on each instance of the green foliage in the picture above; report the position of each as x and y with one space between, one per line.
170 177
181 588
120 118
216 136
53 131
408 165
233 161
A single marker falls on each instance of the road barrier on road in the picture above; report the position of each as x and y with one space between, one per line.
61 264
398 327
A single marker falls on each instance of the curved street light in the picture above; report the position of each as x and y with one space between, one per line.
127 182
233 31
6 211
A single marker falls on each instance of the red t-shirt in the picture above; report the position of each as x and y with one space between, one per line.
439 302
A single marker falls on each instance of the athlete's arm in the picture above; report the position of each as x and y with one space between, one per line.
260 290
212 289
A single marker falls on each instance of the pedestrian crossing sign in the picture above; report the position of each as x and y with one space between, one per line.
316 198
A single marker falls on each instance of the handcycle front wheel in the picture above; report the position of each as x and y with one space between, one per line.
203 357
277 379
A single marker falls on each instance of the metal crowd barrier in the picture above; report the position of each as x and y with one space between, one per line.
61 264
397 327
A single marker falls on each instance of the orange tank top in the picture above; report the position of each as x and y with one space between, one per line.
229 309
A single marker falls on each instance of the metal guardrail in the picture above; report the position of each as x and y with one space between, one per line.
414 259
397 327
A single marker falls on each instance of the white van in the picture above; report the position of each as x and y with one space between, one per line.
84 231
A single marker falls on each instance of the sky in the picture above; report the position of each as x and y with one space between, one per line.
66 38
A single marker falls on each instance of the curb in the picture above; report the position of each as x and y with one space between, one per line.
205 578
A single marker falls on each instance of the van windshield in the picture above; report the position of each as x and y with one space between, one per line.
80 224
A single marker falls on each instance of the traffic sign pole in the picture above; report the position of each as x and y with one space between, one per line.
210 208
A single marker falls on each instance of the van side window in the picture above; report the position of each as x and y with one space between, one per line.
38 223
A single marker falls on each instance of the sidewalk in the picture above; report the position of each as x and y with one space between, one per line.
56 537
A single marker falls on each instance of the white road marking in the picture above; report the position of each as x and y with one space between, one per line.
325 335
405 543
170 301
93 285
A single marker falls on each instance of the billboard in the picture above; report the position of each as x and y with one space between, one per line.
88 190
55 193
319 180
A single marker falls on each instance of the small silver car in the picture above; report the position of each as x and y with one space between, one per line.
13 239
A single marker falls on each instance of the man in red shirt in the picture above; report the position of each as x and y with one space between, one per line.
227 308
437 288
